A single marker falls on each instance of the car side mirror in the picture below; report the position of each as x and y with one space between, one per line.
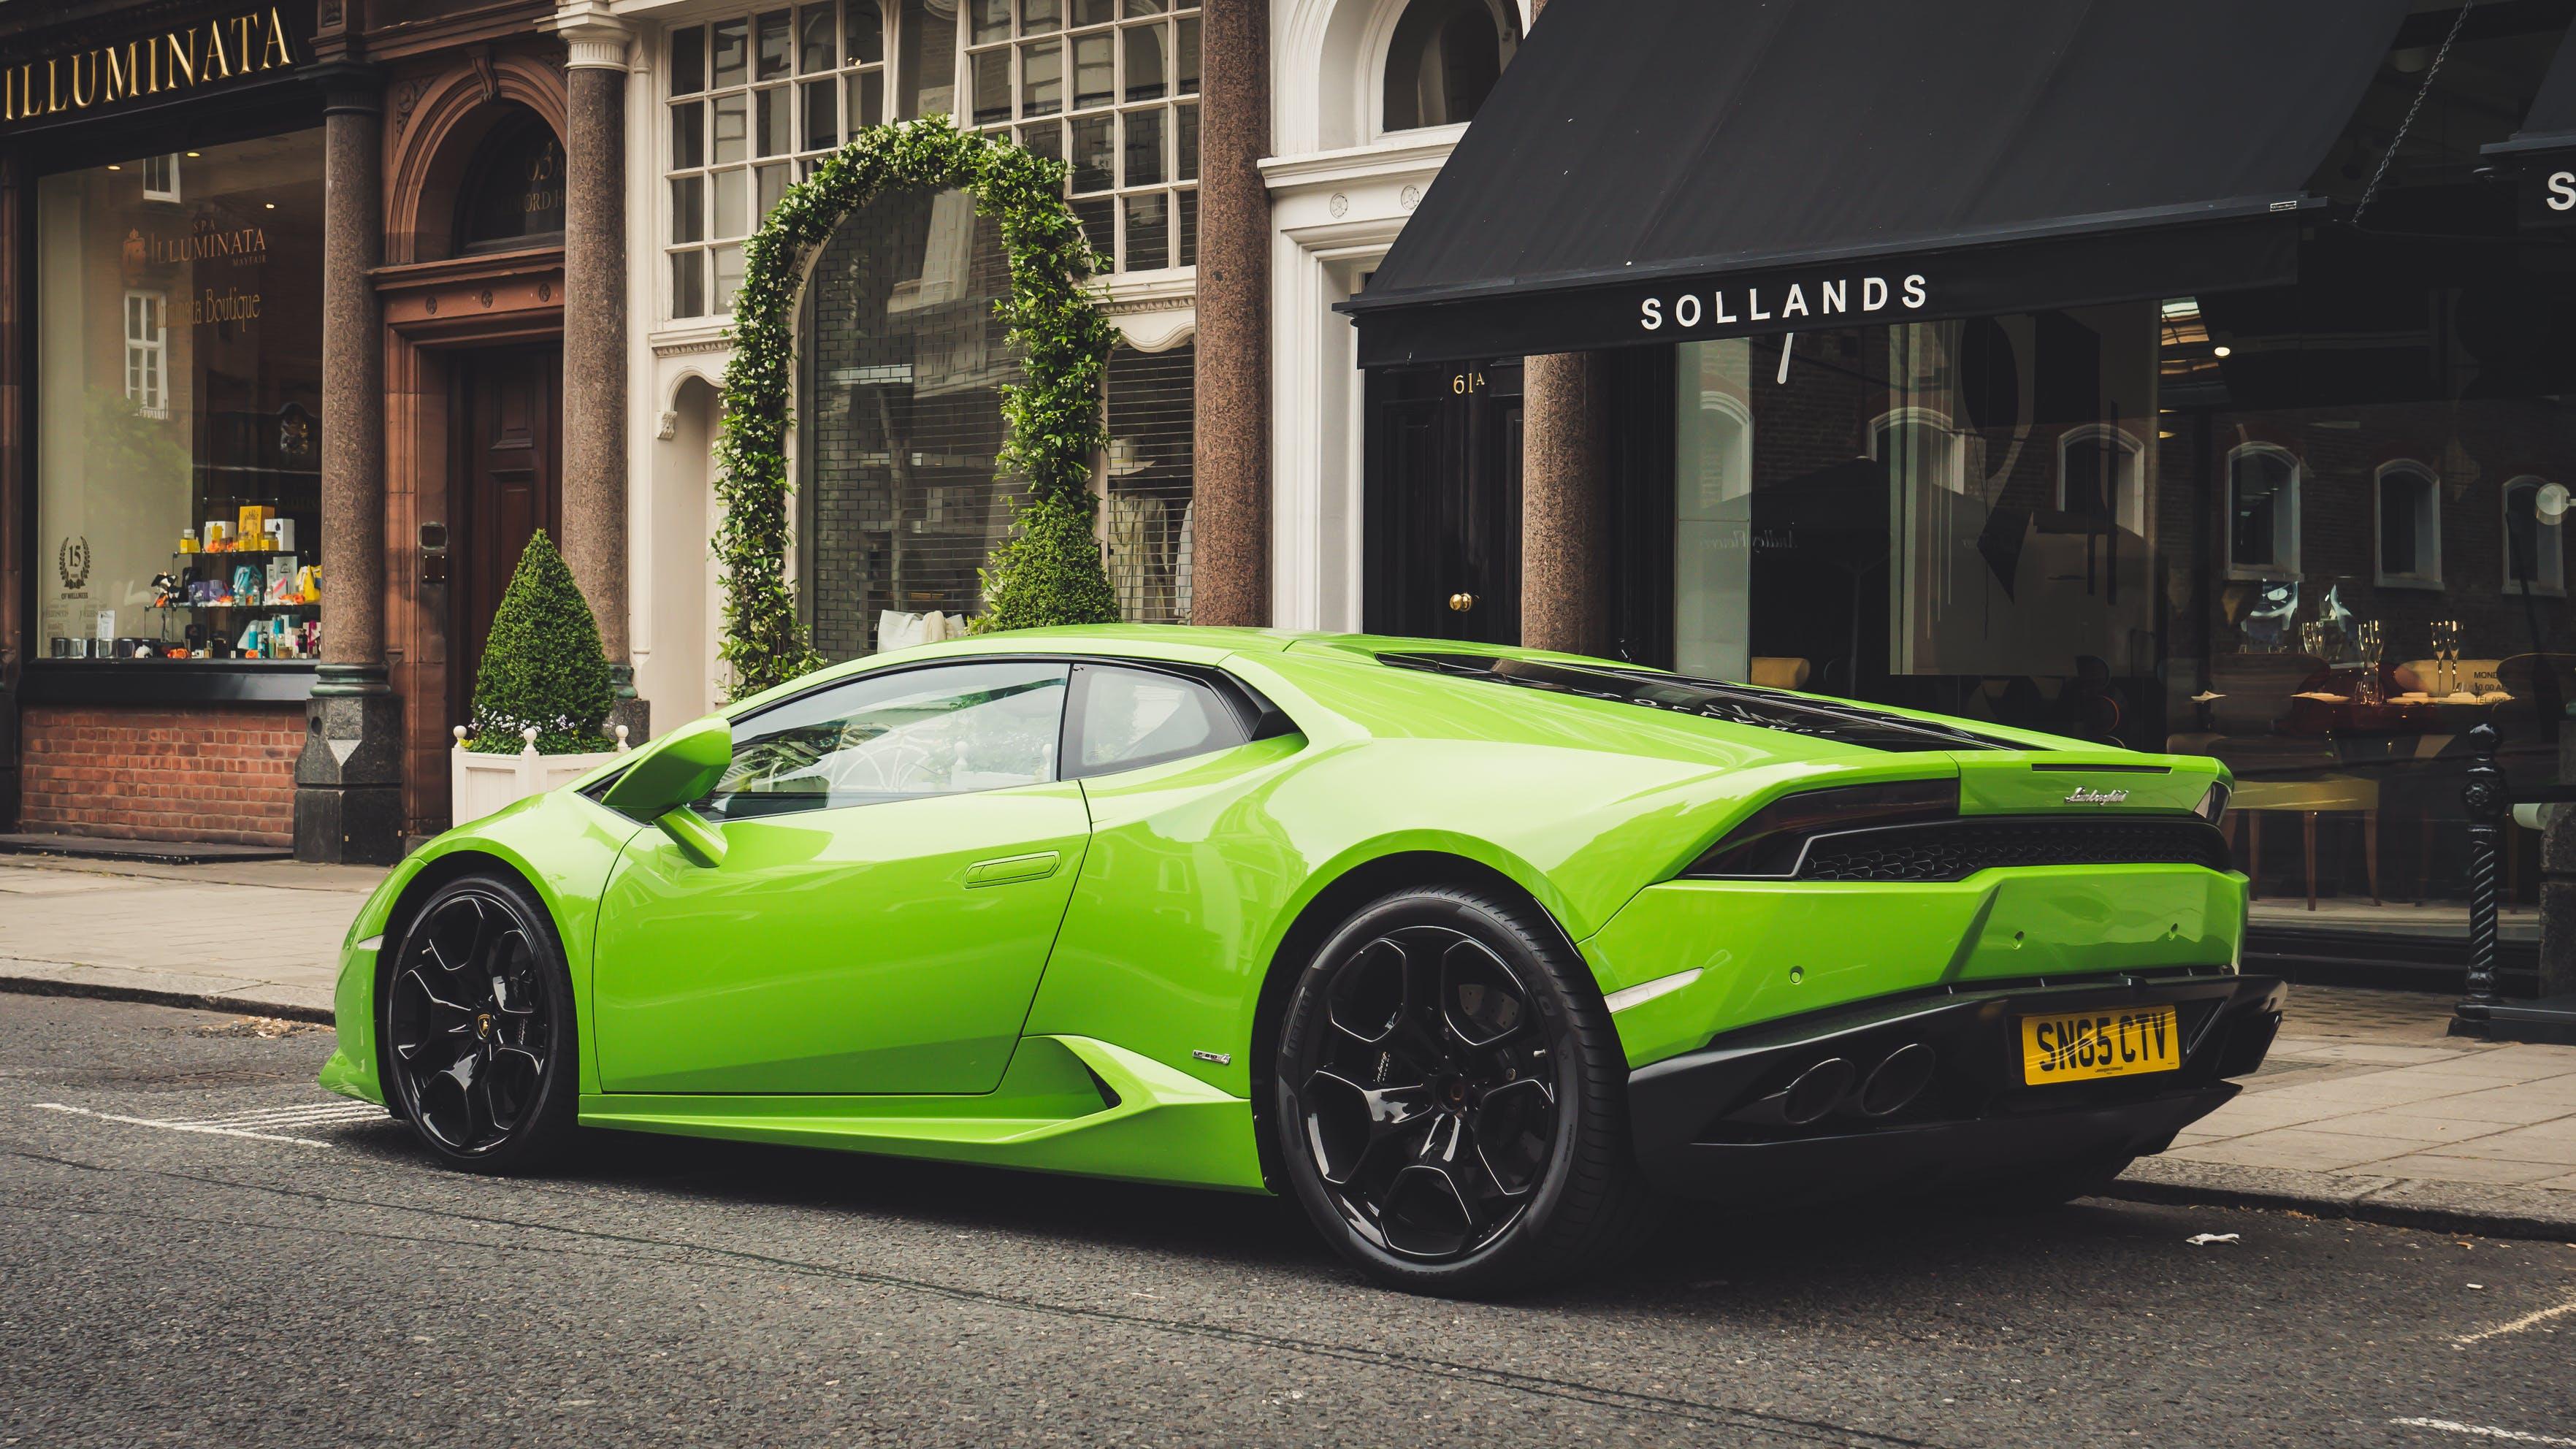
681 767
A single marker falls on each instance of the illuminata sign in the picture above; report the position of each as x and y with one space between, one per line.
174 60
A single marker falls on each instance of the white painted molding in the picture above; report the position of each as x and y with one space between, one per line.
596 35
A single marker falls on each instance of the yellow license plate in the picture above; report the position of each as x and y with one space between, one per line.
2088 1045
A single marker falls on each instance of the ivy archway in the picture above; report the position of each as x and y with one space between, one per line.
1049 571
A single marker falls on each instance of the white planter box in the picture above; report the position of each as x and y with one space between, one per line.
483 784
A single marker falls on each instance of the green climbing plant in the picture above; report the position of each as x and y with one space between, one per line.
1049 570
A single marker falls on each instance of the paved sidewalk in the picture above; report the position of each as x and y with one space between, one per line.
261 937
2365 1109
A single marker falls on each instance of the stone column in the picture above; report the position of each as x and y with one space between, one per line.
1565 502
1230 531
594 369
348 780
15 315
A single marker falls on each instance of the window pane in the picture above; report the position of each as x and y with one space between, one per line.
688 135
814 39
732 202
992 21
1131 718
1441 63
1042 79
991 71
1099 218
1046 140
1145 62
862 32
772 185
728 265
2261 488
1149 232
1093 12
1186 72
1185 133
903 736
1040 17
688 208
928 36
822 115
732 127
1092 159
733 45
777 45
1095 77
1189 208
867 100
688 284
1145 7
2397 542
774 120
1144 149
688 60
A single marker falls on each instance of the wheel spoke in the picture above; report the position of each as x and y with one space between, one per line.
1513 1127
1346 1123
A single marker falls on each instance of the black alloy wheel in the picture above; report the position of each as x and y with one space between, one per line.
1450 1097
478 1031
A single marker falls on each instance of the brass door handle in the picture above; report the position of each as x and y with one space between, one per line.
1462 602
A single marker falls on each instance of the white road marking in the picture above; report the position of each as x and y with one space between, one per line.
310 1116
181 1126
2483 1431
2519 1324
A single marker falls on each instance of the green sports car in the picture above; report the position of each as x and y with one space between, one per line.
1482 953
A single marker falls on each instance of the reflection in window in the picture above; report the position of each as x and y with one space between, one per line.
2410 525
1446 56
2535 560
2097 477
1145 517
514 192
1132 718
941 731
2262 510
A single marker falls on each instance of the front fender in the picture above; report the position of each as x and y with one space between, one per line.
577 839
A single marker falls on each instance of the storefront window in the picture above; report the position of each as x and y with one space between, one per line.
179 364
1145 509
2314 531
903 362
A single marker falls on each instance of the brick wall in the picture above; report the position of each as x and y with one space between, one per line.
212 772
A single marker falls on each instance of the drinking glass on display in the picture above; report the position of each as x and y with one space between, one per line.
2367 641
2446 653
2312 639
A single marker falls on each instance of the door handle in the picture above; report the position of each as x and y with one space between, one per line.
1010 869
1462 602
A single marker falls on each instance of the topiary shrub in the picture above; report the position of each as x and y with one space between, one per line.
1049 571
1050 568
542 664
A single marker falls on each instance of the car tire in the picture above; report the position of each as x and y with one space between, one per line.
475 1028
1450 1098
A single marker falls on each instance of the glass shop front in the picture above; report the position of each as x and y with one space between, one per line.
2316 531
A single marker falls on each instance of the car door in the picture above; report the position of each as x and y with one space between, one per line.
898 853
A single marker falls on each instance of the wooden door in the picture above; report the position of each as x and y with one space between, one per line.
1444 503
509 460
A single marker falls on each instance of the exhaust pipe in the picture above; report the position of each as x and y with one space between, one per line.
1816 1091
1897 1080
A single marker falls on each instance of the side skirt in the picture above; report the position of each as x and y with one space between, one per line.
1067 1104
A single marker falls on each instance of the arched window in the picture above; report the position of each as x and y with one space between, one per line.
2534 552
2098 468
2410 525
1446 56
514 191
1919 443
2263 511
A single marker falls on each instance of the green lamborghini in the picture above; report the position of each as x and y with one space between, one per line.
1481 953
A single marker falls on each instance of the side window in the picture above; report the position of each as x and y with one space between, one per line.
947 730
1135 717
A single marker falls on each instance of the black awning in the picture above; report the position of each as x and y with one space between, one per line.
2550 124
1668 170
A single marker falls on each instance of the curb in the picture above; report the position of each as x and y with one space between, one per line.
2424 1203
152 996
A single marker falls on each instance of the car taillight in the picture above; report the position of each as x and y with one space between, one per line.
1770 841
2212 805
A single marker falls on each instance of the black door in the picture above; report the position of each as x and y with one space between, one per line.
506 488
1444 503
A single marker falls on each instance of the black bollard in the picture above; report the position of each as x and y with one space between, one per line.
2486 801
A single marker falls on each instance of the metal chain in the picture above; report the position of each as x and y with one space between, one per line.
2408 124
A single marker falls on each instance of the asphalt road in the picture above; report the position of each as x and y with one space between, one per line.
322 1283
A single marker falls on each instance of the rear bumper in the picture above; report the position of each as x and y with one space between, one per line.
1713 1124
